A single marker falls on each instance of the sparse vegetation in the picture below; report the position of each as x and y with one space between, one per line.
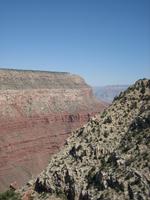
62 196
103 114
115 161
9 195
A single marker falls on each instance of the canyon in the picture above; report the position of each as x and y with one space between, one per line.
109 92
106 159
38 111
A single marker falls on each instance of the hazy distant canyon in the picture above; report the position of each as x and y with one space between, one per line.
38 110
107 93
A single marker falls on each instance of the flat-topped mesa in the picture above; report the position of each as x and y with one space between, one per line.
38 110
26 79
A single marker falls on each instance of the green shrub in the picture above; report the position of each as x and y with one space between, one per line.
62 195
106 134
9 195
103 114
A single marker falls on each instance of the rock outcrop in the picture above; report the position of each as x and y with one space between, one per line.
108 158
38 111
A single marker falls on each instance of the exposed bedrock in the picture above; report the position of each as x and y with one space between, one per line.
38 110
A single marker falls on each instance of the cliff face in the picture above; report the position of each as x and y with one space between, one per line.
108 158
38 110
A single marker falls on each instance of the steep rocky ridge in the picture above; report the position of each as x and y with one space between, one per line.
107 159
38 110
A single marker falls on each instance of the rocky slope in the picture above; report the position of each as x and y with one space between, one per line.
38 110
107 93
107 159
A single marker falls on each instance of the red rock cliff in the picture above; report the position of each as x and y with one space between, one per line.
37 112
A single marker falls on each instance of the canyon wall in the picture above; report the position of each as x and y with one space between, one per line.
106 159
38 110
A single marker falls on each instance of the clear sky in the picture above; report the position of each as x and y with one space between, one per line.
105 41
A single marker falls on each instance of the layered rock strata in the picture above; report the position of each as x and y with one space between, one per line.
38 110
108 158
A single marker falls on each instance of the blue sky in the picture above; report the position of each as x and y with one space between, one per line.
105 41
